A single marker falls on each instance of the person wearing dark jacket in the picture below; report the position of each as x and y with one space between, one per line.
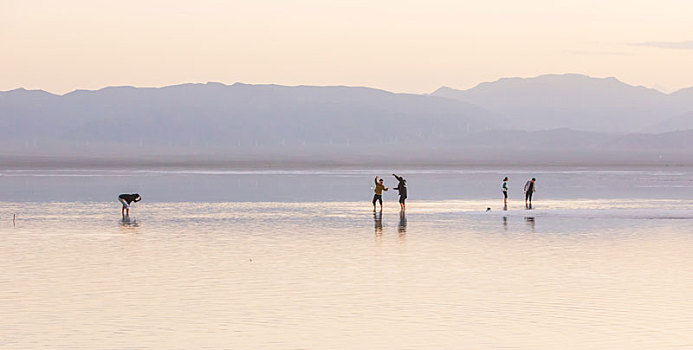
529 191
125 199
402 188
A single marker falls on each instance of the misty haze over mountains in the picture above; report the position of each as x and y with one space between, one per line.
551 119
579 102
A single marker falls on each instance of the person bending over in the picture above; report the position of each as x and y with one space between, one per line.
125 199
529 191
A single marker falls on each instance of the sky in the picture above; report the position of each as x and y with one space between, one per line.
397 45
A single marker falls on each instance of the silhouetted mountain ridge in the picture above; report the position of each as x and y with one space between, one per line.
554 119
230 118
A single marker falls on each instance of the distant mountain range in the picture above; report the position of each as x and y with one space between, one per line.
237 118
547 119
579 102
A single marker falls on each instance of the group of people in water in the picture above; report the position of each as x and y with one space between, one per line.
128 198
529 190
380 187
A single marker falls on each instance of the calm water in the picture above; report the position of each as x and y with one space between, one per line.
275 260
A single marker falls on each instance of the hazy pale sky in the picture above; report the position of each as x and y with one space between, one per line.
398 45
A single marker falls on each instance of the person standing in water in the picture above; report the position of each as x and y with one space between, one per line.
504 188
378 197
125 199
402 188
529 191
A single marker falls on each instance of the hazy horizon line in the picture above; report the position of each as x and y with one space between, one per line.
343 85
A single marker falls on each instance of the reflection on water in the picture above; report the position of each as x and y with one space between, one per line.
378 221
596 274
127 222
402 227
531 223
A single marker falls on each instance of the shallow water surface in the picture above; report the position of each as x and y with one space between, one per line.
579 273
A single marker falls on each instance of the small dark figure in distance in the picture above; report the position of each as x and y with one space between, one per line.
402 188
504 189
125 199
378 197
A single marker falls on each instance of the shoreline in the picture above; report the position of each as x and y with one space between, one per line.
42 162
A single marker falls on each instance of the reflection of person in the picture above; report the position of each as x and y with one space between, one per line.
530 221
504 188
125 200
378 221
127 224
378 196
402 222
529 191
402 188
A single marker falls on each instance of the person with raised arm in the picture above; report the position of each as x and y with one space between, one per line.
402 188
378 197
